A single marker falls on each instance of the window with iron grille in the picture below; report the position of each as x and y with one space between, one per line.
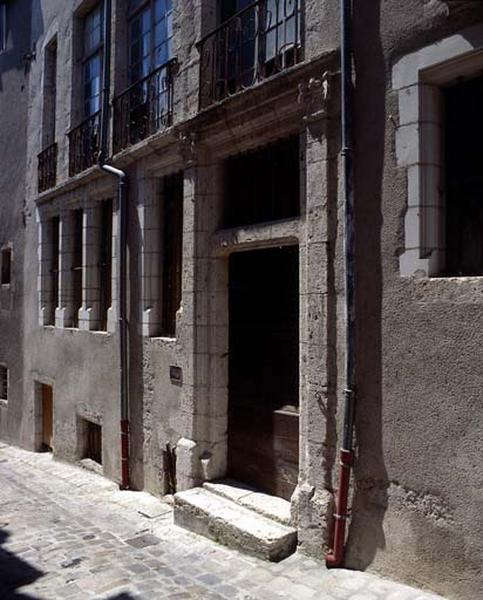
6 257
92 44
105 262
3 383
172 252
77 216
150 36
54 269
263 184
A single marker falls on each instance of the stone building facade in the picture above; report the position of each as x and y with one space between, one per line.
227 126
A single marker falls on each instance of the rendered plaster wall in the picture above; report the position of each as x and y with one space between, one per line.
418 477
82 366
13 117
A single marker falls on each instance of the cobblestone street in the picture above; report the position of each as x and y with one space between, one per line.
66 532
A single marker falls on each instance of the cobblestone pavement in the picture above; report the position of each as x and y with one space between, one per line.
68 533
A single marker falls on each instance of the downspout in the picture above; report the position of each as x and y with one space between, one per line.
122 249
335 557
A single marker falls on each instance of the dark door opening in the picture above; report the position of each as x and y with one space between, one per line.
47 399
263 428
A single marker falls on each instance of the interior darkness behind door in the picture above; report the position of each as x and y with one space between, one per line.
263 369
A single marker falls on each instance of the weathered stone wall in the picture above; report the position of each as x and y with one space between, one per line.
418 423
14 76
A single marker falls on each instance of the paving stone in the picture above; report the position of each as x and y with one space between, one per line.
115 552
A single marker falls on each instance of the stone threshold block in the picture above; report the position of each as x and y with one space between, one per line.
217 513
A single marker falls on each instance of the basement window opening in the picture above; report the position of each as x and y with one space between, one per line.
92 441
3 384
263 184
6 266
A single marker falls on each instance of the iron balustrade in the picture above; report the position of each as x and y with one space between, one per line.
145 107
262 39
47 168
84 144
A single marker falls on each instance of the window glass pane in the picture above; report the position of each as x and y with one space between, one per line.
92 30
159 9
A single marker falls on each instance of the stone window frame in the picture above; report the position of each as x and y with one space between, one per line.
88 316
418 78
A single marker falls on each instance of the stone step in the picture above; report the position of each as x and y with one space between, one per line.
219 518
276 509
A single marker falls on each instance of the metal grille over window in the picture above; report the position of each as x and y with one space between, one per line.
146 106
263 185
254 41
3 383
85 138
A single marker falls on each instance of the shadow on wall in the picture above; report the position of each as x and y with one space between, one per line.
366 534
22 36
14 572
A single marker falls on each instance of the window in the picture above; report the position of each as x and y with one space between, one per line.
92 433
150 36
463 128
439 89
77 217
172 252
105 262
6 266
3 26
54 270
263 185
92 61
3 383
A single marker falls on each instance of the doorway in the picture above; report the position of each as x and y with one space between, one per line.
47 400
263 419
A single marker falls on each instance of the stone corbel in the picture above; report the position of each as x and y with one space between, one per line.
188 147
314 96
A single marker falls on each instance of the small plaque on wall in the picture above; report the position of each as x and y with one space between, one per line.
176 375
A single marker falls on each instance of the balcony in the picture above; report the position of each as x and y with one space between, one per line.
47 168
84 144
144 107
259 41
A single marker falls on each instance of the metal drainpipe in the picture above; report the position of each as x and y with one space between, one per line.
335 557
122 247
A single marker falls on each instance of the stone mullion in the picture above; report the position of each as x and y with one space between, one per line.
112 312
149 210
91 239
64 311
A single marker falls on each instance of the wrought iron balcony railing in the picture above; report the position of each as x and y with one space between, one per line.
144 108
47 168
262 39
84 143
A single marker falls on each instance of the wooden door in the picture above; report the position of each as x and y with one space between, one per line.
47 416
263 428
